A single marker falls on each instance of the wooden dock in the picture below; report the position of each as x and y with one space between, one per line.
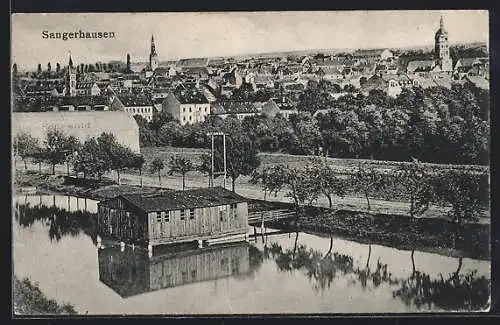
258 218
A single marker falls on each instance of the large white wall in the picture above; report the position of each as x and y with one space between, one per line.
82 125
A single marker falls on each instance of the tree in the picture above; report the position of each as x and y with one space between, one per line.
467 192
160 119
138 163
415 182
58 67
327 181
180 165
49 67
241 158
367 180
157 166
362 81
121 158
14 69
262 177
25 146
90 160
39 69
57 146
301 186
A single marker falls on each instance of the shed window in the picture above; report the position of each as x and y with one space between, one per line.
183 214
167 216
191 213
158 216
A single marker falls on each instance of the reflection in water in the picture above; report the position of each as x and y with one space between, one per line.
131 272
60 221
454 292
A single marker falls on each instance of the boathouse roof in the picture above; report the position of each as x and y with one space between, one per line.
176 200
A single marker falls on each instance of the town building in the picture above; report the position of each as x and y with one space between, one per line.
131 272
372 55
87 89
173 216
472 67
188 106
135 104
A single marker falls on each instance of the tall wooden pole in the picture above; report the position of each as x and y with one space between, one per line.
212 167
224 144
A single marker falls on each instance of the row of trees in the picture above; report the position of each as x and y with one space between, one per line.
97 156
465 192
436 125
93 158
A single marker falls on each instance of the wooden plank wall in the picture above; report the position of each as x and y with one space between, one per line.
120 222
206 221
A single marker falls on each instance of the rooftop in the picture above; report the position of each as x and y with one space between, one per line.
129 100
176 200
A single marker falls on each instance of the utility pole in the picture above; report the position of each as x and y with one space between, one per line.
212 172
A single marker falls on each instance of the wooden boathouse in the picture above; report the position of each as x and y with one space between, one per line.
173 217
131 272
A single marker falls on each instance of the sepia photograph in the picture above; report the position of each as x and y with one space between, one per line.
249 163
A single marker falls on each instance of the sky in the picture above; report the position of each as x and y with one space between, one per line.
209 34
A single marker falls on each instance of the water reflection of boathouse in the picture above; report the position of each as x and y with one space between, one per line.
131 272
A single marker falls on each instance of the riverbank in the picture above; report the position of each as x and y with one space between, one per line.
431 235
29 300
90 190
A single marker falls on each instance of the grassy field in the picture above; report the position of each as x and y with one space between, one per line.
297 161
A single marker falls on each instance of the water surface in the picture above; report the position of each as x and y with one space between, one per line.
54 244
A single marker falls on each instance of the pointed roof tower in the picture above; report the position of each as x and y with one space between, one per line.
70 61
153 49
441 30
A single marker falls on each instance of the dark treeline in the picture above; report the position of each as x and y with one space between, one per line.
436 124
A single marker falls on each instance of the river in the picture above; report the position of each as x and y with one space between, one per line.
54 244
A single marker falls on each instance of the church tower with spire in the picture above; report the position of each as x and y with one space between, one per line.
153 56
70 80
441 50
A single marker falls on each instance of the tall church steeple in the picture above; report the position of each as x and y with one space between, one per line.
153 56
70 80
153 50
441 49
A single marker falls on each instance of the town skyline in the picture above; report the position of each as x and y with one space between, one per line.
257 33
